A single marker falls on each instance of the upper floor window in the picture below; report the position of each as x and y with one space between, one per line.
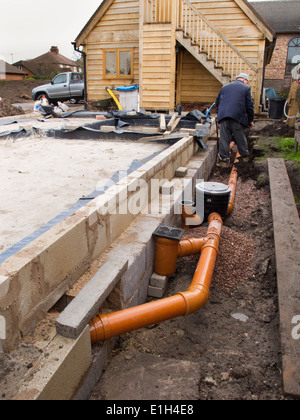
293 57
118 63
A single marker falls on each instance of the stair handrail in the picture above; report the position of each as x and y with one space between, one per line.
180 21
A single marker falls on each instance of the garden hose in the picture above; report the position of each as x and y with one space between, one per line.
284 111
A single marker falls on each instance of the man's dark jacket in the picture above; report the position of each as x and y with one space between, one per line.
235 101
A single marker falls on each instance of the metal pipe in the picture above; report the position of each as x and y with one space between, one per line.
84 72
104 327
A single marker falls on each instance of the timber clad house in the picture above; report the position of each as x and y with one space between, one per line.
177 51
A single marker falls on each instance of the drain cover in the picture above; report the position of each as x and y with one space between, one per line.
169 233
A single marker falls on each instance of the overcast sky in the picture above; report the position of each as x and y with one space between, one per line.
28 28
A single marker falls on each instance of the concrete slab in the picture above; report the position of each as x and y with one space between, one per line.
87 303
287 246
155 378
44 177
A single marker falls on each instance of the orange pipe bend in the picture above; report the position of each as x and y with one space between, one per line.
104 327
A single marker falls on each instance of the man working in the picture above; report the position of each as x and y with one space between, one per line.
235 113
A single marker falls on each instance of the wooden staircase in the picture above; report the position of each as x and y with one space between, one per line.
202 39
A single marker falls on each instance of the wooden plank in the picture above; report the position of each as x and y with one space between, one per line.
287 248
172 120
173 125
162 123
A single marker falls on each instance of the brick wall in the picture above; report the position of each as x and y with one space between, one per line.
276 69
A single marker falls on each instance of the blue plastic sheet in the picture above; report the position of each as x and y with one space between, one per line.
127 88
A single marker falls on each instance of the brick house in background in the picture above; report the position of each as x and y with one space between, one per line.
8 72
284 18
47 65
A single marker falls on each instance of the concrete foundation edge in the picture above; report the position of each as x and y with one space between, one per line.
92 362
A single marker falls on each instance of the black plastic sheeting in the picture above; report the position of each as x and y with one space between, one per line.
117 119
121 132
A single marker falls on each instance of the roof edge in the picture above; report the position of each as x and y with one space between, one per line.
257 19
102 9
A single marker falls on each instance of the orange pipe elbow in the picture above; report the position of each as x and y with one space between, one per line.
189 217
104 327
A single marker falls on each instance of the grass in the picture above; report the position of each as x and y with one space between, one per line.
278 147
287 146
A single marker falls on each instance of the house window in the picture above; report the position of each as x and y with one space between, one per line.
118 63
293 57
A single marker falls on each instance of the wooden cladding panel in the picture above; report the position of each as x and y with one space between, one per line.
197 84
158 55
118 28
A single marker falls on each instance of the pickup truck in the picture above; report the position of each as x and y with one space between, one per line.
64 87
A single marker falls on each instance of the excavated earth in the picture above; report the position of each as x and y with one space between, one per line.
229 350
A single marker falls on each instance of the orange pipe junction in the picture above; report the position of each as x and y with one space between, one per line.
104 327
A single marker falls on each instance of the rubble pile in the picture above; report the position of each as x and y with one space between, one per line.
7 109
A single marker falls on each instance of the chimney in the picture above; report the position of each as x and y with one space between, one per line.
54 50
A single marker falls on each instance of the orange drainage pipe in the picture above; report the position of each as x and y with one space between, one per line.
104 327
168 251
232 184
189 214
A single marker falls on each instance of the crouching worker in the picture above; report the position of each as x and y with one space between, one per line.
235 113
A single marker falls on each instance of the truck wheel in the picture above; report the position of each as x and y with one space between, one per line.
40 97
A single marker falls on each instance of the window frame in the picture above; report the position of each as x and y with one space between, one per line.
287 66
117 51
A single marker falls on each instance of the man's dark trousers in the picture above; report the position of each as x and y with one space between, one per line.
229 128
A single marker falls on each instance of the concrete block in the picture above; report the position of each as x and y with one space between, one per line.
181 172
134 274
2 328
71 127
156 292
72 321
4 286
167 188
64 254
158 281
59 374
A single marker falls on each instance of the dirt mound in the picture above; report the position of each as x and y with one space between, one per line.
7 109
19 90
272 128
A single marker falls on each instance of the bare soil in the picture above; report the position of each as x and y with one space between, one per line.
7 109
19 90
14 92
234 341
